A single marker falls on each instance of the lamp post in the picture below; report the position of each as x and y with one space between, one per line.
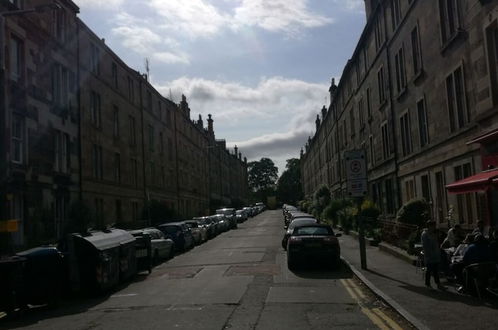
4 114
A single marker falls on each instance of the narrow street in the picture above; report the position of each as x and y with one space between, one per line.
238 280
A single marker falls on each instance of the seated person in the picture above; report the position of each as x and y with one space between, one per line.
454 237
477 252
457 264
493 244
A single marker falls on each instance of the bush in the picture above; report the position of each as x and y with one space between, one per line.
331 213
347 218
414 212
369 209
321 199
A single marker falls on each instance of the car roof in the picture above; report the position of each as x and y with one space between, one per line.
295 222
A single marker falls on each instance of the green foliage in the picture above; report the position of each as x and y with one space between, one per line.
414 212
321 198
289 188
369 209
347 217
330 213
262 174
304 205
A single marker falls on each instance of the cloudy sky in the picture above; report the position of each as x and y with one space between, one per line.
262 68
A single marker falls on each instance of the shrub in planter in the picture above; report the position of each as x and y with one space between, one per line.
346 218
369 210
414 212
321 198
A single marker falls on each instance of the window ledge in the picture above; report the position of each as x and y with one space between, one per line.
418 75
459 32
401 93
382 105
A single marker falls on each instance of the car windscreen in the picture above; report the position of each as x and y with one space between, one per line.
171 229
312 231
301 222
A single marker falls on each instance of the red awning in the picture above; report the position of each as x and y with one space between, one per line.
478 182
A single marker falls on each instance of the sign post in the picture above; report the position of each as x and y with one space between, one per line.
356 174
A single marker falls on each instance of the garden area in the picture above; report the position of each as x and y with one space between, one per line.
348 214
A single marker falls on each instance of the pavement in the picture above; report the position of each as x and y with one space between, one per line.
399 284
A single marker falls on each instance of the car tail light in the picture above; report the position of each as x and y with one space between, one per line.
330 240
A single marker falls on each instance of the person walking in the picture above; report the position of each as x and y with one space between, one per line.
432 254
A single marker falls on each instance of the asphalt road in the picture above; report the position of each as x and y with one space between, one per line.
238 280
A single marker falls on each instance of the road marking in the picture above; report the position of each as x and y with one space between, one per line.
387 319
378 318
2 315
124 295
186 308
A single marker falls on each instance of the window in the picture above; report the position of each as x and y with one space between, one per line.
19 4
381 85
17 139
61 152
134 211
422 123
406 135
115 122
99 211
386 148
456 101
416 55
117 167
59 19
440 197
131 91
388 185
133 132
161 141
134 172
371 150
352 122
379 33
395 13
114 74
159 110
152 172
163 176
95 109
151 138
60 85
97 162
149 101
94 59
448 15
426 188
119 211
369 106
16 59
492 43
399 59
410 192
465 204
361 113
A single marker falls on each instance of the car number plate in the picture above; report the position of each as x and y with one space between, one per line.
313 244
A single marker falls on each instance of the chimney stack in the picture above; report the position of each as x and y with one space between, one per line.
210 125
317 122
184 106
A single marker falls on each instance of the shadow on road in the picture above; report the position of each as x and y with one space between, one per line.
323 272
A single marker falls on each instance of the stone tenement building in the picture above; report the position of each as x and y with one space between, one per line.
79 125
420 96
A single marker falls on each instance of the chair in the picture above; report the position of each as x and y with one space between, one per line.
477 275
420 264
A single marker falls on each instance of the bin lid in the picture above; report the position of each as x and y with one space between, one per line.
103 240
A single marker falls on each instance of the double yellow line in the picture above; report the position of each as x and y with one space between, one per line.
376 315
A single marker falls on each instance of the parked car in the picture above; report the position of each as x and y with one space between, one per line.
229 213
240 216
180 233
162 247
208 224
295 215
293 224
199 233
222 222
249 211
314 243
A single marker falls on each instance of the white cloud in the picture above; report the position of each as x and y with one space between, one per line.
100 4
280 112
171 58
195 17
351 4
278 15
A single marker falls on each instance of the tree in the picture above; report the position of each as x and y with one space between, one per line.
289 188
262 177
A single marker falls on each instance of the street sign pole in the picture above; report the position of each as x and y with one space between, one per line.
356 172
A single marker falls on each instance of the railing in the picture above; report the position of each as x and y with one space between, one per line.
396 233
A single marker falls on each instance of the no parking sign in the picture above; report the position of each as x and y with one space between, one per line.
356 173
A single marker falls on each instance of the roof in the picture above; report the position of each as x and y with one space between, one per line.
103 240
478 182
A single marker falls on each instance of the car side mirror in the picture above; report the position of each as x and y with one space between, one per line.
338 235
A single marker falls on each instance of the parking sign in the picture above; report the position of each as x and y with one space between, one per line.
356 173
